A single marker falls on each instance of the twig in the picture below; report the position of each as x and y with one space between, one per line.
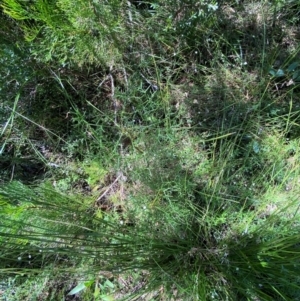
153 86
102 82
113 95
109 188
125 77
12 173
38 125
129 12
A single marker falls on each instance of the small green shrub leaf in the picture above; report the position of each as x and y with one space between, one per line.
292 66
296 75
272 72
279 73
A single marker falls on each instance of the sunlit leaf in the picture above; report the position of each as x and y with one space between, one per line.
107 298
78 288
89 283
280 73
96 292
109 284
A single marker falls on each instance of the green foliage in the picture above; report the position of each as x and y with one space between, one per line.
68 32
155 153
291 73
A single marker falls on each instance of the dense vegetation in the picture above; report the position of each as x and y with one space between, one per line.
149 150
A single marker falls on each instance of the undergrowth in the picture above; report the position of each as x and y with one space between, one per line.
149 150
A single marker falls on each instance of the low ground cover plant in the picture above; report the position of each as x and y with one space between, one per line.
149 150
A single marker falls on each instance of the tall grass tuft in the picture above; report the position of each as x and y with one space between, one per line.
41 227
